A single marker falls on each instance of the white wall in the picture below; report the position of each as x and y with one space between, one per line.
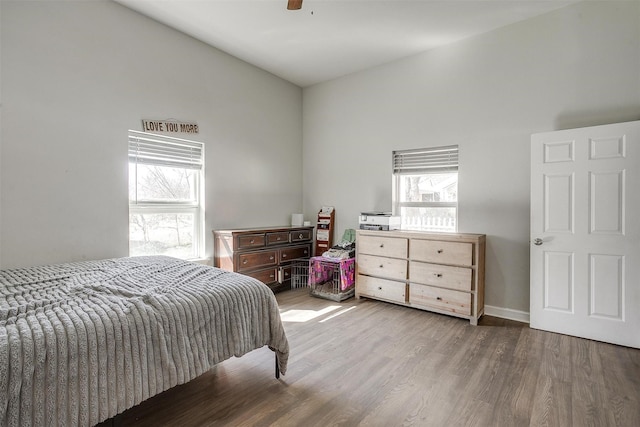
1 127
573 67
76 76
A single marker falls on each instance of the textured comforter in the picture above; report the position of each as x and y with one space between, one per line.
82 342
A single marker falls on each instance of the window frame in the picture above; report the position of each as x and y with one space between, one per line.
178 160
424 161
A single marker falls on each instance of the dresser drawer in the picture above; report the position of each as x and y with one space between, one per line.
251 260
444 276
389 268
250 241
441 252
277 238
393 247
286 273
430 297
265 276
289 254
300 235
381 288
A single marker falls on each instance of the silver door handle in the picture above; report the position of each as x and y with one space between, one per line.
537 241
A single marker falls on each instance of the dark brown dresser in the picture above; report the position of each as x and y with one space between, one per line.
264 253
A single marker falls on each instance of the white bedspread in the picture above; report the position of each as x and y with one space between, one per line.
82 342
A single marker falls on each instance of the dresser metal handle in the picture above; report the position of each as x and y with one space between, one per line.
252 241
300 236
245 261
283 256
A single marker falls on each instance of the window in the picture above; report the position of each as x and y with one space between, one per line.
425 188
165 196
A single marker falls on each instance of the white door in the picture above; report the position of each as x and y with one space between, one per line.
585 232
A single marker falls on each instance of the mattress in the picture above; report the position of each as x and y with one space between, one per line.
82 342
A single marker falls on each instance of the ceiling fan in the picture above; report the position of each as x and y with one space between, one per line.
294 4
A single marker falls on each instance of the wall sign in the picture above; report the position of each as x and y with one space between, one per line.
169 126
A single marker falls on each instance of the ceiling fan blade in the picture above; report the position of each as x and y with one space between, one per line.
294 4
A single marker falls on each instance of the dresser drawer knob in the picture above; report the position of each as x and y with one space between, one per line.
306 251
283 256
440 251
300 236
379 288
437 274
439 298
278 238
381 265
252 241
382 245
244 261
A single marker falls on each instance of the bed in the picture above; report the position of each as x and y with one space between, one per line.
82 342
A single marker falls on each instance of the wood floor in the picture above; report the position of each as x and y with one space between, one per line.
368 363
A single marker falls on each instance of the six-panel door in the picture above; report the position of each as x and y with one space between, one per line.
585 256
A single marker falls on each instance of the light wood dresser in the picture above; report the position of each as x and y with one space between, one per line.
263 253
439 272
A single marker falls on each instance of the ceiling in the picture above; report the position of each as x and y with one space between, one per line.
331 38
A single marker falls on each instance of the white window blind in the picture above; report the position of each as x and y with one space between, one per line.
164 150
426 160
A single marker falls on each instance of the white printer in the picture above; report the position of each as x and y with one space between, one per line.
378 221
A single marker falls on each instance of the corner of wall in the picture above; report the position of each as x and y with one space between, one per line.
507 313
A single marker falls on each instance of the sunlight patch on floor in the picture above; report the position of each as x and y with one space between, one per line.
306 315
337 314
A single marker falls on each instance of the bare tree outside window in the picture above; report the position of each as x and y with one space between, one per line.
164 209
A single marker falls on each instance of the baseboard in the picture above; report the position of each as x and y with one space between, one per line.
507 313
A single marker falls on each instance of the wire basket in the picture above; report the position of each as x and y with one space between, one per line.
331 279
